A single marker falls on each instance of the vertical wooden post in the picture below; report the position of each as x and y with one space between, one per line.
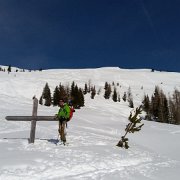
33 122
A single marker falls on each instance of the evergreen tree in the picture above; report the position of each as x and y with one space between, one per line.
41 100
124 97
72 90
9 69
93 92
155 102
166 110
73 93
56 96
146 107
131 104
108 91
159 106
130 98
146 103
68 92
106 86
114 96
163 115
171 111
176 109
85 89
76 97
81 97
46 95
131 127
63 93
119 98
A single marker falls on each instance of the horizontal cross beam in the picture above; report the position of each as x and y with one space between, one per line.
30 118
33 119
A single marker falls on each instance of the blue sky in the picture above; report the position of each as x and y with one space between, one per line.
90 33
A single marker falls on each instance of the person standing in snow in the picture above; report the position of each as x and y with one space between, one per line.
63 116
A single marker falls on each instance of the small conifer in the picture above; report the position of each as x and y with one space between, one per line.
131 127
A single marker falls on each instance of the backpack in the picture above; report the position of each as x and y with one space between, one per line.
71 112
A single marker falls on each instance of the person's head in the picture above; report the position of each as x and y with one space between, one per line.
61 102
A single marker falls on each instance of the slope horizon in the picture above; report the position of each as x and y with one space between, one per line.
101 67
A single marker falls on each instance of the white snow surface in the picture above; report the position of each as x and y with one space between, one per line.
92 134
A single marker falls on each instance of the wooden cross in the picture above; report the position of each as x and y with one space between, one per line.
33 119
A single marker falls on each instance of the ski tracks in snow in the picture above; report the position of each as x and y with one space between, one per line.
91 154
81 162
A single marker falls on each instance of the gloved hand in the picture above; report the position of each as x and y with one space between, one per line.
55 116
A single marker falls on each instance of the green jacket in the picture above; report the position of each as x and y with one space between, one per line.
64 112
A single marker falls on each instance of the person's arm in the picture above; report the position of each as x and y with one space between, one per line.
60 114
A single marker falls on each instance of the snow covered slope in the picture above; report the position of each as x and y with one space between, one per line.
93 132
